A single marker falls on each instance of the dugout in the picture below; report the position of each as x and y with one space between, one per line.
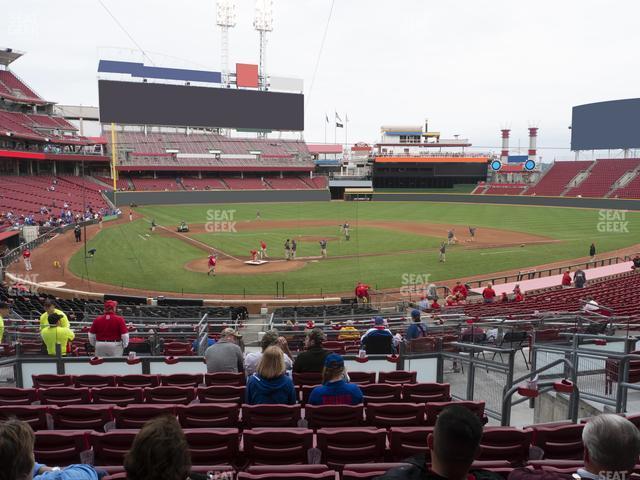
358 194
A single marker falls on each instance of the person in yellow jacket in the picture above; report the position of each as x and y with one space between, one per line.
49 308
348 332
56 334
4 311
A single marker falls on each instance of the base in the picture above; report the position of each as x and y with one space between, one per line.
256 262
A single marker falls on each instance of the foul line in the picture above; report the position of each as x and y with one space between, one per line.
198 242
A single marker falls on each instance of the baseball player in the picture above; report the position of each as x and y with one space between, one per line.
294 247
77 232
287 250
258 217
472 233
345 230
153 224
443 252
212 264
254 255
26 256
263 250
323 248
450 237
131 215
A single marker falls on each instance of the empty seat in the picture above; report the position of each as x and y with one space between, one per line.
340 446
434 409
307 378
85 417
367 471
381 392
212 446
426 392
386 415
94 381
181 380
326 416
221 394
138 381
182 395
289 446
270 416
17 396
47 380
177 349
406 442
34 415
225 378
110 448
305 392
208 415
62 396
117 395
135 416
559 441
362 378
327 475
505 443
59 448
397 376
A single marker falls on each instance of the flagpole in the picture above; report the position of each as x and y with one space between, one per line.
335 127
326 118
346 130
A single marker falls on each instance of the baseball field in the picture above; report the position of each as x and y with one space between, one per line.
391 243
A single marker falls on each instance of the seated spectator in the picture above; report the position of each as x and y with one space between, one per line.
518 297
334 389
348 332
489 294
374 339
636 263
56 334
269 385
435 305
417 329
454 445
432 292
252 359
160 451
590 305
16 457
312 359
451 300
423 304
504 298
196 343
566 279
226 354
460 289
379 329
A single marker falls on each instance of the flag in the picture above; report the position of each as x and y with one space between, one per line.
339 123
326 118
346 118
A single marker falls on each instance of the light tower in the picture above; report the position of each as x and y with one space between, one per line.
226 19
263 23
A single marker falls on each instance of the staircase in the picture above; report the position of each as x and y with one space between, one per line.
578 179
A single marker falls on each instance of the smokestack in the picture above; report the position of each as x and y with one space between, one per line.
533 141
504 156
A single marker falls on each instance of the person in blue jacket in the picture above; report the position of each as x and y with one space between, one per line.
417 329
335 390
269 385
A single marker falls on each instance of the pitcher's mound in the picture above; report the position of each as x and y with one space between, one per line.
235 267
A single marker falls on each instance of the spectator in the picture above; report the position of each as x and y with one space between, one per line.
252 359
269 385
590 305
334 389
16 457
566 279
432 291
108 332
196 344
435 305
460 289
4 311
488 294
518 295
56 334
312 359
451 300
504 298
579 278
362 293
423 304
348 332
636 263
417 329
379 329
49 308
454 445
225 355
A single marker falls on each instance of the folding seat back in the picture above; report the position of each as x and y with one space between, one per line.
110 448
138 381
335 347
17 396
63 396
362 378
211 446
327 475
60 448
135 416
117 395
82 417
47 380
397 377
307 378
434 409
270 416
406 442
327 416
557 466
225 378
181 380
560 441
181 395
209 415
367 471
34 415
340 446
381 392
305 392
289 446
386 415
276 470
426 392
505 443
177 349
94 381
221 394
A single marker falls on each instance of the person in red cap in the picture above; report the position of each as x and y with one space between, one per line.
108 333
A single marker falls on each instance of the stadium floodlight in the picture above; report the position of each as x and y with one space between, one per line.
225 19
263 23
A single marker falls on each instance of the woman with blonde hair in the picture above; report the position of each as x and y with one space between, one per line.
269 385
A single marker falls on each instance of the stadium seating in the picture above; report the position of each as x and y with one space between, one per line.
556 179
156 183
602 177
16 87
630 190
504 189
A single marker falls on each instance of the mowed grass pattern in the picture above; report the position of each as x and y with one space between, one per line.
126 256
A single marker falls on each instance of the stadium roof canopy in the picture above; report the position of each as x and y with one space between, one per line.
9 55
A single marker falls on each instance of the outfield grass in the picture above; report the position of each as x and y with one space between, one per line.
127 257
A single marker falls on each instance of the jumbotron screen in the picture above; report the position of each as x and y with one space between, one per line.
606 125
181 105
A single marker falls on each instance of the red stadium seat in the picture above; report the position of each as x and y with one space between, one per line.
50 380
308 378
505 443
328 475
62 396
34 415
221 394
305 391
60 448
367 471
135 416
85 417
381 392
110 448
270 416
335 346
209 415
340 446
182 395
386 415
215 445
562 442
225 378
117 395
138 381
426 392
326 416
362 378
181 380
434 409
94 381
406 442
286 469
289 446
17 396
397 376
177 349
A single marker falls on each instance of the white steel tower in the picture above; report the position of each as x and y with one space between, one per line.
263 23
226 19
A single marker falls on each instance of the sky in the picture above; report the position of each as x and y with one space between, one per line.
471 67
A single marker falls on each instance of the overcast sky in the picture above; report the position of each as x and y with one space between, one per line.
469 66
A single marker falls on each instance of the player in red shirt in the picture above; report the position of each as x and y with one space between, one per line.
489 294
212 264
461 289
254 255
263 250
26 256
108 332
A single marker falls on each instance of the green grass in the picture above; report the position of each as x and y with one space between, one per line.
127 257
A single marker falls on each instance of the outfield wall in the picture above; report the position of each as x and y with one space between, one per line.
217 196
606 203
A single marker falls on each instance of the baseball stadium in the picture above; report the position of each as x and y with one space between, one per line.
193 289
